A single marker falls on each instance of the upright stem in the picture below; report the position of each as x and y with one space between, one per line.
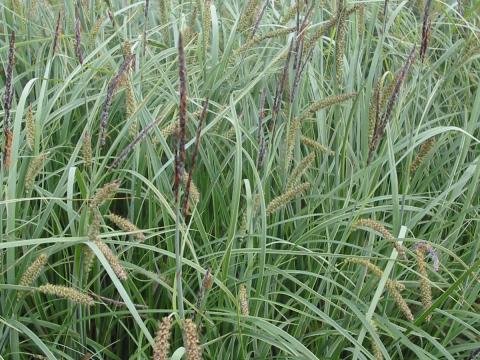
178 261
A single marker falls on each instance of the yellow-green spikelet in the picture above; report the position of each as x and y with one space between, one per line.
30 128
33 169
67 293
112 259
286 197
425 288
127 226
33 271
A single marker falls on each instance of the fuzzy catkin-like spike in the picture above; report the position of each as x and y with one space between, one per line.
87 356
192 343
422 154
162 340
30 128
391 286
380 129
375 225
67 293
94 228
291 137
425 288
88 259
194 193
315 145
104 193
87 149
112 259
425 30
243 300
95 29
182 118
130 105
112 86
33 169
286 197
33 272
7 152
374 269
248 15
377 353
8 96
324 103
207 21
402 304
259 38
126 226
300 169
169 129
373 112
312 40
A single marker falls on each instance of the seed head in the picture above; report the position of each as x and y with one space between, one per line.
162 340
126 226
243 299
33 169
112 259
33 271
324 103
7 152
105 193
30 128
286 197
422 154
375 225
87 149
67 293
192 343
315 145
300 169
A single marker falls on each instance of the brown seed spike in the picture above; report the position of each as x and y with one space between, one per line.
182 117
162 340
7 98
425 30
380 129
7 152
112 86
192 343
